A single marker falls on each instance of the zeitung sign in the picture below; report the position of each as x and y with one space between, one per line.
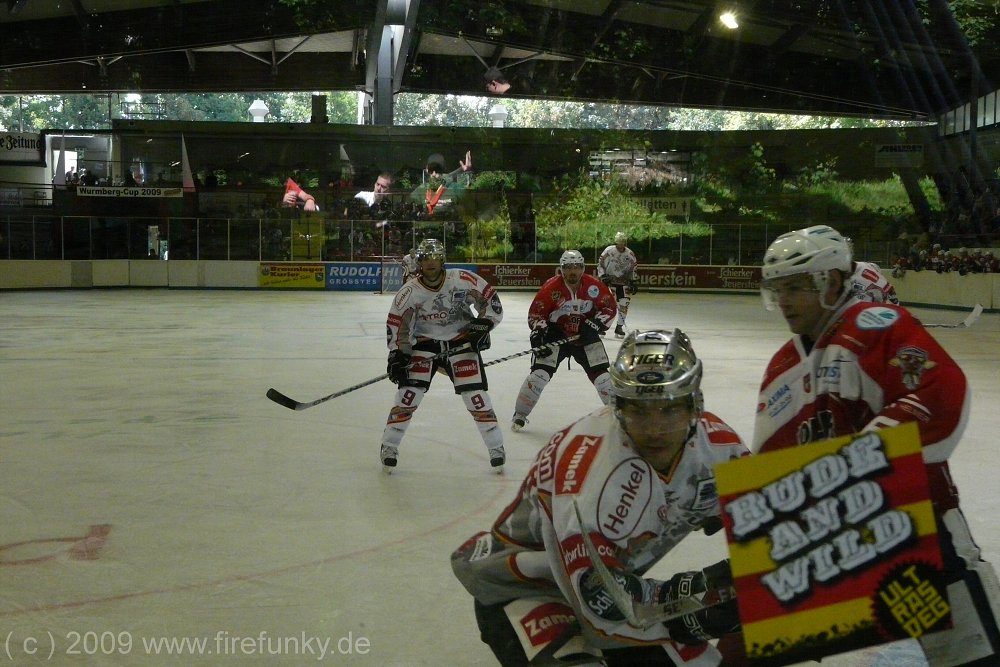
20 147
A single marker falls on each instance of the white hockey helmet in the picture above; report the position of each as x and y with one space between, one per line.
657 365
620 238
430 249
571 258
814 251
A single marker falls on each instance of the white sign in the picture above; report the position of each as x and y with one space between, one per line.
899 155
669 206
20 147
128 191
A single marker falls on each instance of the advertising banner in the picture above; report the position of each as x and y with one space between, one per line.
290 274
516 275
899 155
833 546
134 192
699 277
743 278
668 206
21 147
363 276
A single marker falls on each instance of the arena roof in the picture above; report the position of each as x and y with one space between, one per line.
870 58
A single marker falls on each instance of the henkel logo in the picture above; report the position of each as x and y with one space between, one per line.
624 498
575 462
468 368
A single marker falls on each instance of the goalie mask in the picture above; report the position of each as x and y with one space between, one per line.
656 388
430 249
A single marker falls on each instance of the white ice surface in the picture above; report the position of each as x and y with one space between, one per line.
233 518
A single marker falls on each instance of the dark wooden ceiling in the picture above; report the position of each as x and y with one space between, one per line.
872 58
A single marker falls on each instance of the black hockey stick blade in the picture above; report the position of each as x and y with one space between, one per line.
281 399
967 322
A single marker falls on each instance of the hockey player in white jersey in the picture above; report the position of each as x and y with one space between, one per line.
639 476
431 315
616 269
868 283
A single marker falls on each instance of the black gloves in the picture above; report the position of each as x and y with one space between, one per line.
537 339
477 332
633 287
711 622
397 367
590 332
606 279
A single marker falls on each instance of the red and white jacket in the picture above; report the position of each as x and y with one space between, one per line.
874 366
557 305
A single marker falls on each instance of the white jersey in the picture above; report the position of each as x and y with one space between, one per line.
868 283
619 265
421 313
633 514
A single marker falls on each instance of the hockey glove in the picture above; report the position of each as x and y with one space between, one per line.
716 619
633 287
590 332
397 367
606 279
477 333
537 340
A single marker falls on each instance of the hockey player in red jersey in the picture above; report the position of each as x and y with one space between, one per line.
854 366
434 314
571 303
638 475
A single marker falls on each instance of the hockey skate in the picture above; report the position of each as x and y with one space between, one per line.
389 455
619 331
497 458
518 422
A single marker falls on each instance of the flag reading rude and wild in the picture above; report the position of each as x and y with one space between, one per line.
833 546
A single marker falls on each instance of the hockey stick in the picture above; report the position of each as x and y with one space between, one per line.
640 615
555 343
292 404
967 322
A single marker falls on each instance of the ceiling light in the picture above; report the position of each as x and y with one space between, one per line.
728 19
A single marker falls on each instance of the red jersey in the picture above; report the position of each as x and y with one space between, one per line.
874 366
556 304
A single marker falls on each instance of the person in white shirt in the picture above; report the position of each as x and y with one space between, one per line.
616 269
378 192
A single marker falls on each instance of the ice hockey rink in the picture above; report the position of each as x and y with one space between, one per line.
153 499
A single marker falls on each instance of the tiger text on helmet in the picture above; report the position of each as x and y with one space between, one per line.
657 365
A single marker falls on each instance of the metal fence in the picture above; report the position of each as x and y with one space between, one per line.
312 238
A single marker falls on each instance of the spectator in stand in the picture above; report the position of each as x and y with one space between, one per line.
378 192
440 188
296 196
